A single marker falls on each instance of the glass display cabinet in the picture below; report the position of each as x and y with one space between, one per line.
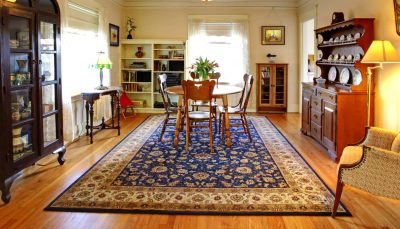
31 105
272 87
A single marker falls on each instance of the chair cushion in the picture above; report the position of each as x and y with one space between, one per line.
396 144
351 155
199 114
124 100
230 109
204 103
380 138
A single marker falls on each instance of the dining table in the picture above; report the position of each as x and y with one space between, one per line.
219 92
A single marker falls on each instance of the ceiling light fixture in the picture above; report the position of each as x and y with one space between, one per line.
206 0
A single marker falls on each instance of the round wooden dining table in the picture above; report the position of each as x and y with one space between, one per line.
220 91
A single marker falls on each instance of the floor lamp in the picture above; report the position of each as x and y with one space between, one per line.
379 52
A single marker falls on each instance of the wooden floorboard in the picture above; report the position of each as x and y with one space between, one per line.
42 183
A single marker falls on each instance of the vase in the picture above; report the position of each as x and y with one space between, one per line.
139 53
129 35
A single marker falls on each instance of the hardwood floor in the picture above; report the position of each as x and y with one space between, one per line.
40 184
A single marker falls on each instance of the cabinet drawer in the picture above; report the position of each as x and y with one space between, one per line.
330 97
316 131
316 103
316 116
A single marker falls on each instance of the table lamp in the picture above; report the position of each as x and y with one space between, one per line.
102 62
378 53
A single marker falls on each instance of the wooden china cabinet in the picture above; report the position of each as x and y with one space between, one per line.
30 97
334 113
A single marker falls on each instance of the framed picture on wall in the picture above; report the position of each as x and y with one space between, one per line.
272 35
114 35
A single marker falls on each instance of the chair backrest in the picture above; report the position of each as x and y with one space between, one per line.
248 85
215 76
162 81
245 79
198 90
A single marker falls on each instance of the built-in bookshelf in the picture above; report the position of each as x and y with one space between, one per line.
142 60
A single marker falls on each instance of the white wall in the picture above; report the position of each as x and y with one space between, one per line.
387 94
171 23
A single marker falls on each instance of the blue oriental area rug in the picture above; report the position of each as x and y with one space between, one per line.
142 175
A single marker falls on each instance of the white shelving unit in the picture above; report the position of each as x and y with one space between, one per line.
139 74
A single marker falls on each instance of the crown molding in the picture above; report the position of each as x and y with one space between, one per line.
214 3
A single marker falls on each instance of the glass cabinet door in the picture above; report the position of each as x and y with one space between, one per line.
280 85
21 83
265 90
49 82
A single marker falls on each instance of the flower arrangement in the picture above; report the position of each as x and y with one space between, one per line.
202 67
130 27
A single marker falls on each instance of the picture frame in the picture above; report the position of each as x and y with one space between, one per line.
114 35
272 35
396 4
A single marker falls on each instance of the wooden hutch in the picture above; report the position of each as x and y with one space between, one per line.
30 97
335 112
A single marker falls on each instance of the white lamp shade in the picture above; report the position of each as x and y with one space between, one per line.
381 52
103 61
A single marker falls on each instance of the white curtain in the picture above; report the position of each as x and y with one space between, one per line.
83 37
223 39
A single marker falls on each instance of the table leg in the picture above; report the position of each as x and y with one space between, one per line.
91 121
112 109
118 113
178 122
227 123
87 117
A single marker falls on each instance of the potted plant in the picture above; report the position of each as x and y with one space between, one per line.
130 27
202 68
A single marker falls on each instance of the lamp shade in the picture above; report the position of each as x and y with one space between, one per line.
103 61
381 52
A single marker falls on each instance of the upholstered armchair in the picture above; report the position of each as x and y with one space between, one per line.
373 165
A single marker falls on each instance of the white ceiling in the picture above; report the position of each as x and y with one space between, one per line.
214 3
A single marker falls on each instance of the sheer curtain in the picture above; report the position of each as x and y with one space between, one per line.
83 37
223 39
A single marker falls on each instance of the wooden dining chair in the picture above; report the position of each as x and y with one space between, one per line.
198 91
239 109
169 108
196 104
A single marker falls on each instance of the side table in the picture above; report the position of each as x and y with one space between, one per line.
90 97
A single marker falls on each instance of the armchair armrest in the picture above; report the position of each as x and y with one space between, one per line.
379 137
377 172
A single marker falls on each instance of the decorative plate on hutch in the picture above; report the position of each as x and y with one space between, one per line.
332 74
357 77
357 35
344 76
320 55
349 58
342 38
320 39
336 57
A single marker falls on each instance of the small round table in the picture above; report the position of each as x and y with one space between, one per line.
220 91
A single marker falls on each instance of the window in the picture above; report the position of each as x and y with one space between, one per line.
223 39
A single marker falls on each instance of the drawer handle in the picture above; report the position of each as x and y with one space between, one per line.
331 96
316 103
315 116
319 93
315 129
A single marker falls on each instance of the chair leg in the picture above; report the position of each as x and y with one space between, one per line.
123 113
215 118
220 122
247 128
211 134
187 132
339 189
223 129
164 126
